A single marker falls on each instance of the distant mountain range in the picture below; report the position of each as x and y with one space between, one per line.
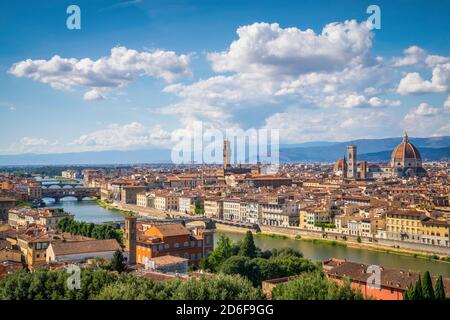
435 148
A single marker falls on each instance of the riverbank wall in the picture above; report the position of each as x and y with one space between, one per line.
398 247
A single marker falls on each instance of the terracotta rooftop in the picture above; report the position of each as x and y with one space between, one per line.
73 247
171 230
391 278
167 260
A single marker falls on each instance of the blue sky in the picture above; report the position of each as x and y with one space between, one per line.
174 64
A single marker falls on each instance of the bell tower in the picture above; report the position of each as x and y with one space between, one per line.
130 238
226 154
352 166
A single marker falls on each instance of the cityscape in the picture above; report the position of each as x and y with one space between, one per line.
274 161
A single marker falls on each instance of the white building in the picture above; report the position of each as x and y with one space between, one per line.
232 210
280 214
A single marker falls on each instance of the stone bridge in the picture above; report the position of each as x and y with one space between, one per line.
79 193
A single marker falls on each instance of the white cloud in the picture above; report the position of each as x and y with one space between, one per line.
415 55
447 103
102 75
427 120
308 125
413 83
264 48
128 136
32 145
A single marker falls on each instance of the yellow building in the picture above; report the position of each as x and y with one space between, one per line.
435 232
404 225
34 247
213 207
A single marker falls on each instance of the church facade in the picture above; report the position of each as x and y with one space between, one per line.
405 162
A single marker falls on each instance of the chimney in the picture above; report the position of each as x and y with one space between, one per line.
130 238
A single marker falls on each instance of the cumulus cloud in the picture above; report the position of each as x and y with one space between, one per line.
427 120
128 136
447 103
307 125
269 49
32 145
413 83
122 66
415 55
269 69
354 100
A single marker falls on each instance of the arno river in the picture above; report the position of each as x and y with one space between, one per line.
90 212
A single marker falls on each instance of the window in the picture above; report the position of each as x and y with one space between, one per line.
199 256
208 240
166 246
186 244
177 245
199 243
193 256
155 248
186 255
192 243
160 247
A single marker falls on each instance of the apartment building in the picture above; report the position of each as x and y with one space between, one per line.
175 240
186 204
232 210
166 201
129 193
435 232
317 216
404 225
213 207
280 214
145 199
49 217
250 212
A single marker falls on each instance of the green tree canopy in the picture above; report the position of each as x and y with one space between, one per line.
315 286
439 292
248 248
221 252
427 287
118 262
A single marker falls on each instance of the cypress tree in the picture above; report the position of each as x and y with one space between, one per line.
117 262
409 294
427 287
248 248
418 290
439 292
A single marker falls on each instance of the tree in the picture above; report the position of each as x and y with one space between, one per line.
248 248
220 287
427 287
221 253
315 286
418 295
117 262
286 252
439 292
243 266
409 293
